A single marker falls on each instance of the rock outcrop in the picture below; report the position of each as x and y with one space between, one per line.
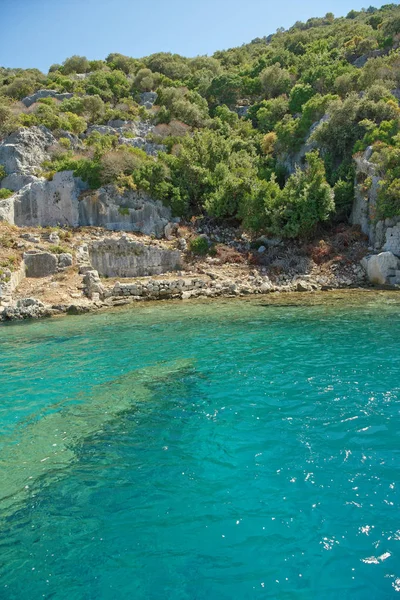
128 211
27 308
130 133
148 99
29 100
49 203
292 160
24 151
383 234
126 258
381 268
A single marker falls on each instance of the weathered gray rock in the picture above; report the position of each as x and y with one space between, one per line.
7 210
380 267
29 100
64 260
129 211
148 99
49 203
93 287
169 230
392 242
364 206
24 151
54 238
26 302
291 161
130 133
17 181
242 110
141 143
40 264
126 258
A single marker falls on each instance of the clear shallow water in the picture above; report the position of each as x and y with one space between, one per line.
260 458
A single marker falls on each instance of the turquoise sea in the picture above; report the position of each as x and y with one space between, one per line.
229 450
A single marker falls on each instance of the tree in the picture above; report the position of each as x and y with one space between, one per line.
94 107
306 200
225 89
257 208
299 95
75 64
275 81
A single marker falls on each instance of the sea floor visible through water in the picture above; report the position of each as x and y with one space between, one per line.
232 449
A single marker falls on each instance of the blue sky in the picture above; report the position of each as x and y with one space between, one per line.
38 33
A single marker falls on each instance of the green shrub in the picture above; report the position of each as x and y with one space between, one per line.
5 193
58 249
199 246
306 200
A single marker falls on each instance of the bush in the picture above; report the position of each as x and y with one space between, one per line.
75 64
199 246
58 250
275 81
5 193
299 95
306 201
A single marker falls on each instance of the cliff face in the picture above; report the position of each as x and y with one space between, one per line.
383 234
63 201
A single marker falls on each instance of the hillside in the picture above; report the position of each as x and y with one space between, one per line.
287 137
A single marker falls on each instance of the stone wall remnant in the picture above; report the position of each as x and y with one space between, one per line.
126 258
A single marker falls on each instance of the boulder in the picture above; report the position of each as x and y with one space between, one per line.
40 264
92 285
148 99
379 267
24 151
64 260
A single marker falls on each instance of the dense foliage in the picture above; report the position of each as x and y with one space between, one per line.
236 124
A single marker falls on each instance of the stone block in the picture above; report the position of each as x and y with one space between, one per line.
40 264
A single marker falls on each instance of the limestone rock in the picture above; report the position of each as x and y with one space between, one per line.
92 285
26 302
17 181
379 267
24 151
64 260
148 99
392 243
126 258
7 210
49 203
170 230
40 264
29 100
130 211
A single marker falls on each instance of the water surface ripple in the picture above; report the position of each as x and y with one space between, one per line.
255 453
